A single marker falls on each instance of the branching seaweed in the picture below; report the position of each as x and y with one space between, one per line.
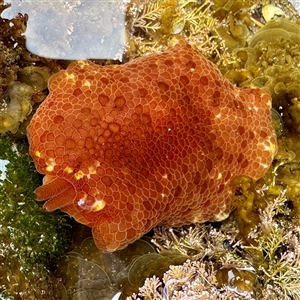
147 17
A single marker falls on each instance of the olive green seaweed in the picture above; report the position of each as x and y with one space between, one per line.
31 239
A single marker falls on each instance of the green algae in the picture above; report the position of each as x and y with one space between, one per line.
271 60
31 239
247 202
276 30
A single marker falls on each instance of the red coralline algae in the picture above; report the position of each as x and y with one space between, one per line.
155 141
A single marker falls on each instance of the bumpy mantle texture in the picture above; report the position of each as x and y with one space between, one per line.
154 141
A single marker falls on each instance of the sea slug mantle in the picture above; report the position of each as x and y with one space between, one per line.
154 141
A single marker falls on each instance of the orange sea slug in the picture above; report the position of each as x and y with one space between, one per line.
154 141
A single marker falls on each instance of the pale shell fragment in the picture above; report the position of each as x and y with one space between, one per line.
269 11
